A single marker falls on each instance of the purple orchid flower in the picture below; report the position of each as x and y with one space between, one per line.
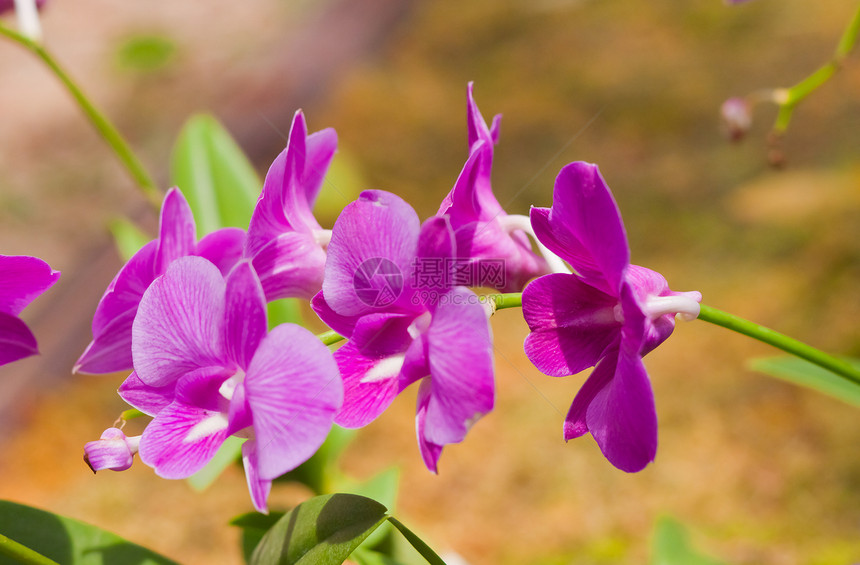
609 313
22 279
404 324
492 242
285 241
110 350
207 369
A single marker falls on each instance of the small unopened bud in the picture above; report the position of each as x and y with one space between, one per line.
113 451
736 115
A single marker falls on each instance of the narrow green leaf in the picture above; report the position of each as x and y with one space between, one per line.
804 373
382 488
419 544
215 176
321 531
226 455
21 553
68 541
369 557
128 237
671 546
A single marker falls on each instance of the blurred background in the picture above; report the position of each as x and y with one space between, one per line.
762 472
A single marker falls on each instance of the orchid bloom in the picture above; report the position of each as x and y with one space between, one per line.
207 369
112 451
110 350
22 279
285 242
404 327
608 313
489 241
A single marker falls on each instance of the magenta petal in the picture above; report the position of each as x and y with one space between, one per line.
110 350
245 324
344 325
22 279
321 147
148 399
291 266
293 389
584 227
572 324
621 415
478 130
180 322
377 226
16 339
381 335
369 385
430 452
223 247
182 439
460 355
177 235
112 451
258 487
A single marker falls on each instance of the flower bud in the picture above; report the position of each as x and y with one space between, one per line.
736 116
112 451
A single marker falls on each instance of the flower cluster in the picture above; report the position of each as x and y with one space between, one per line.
188 317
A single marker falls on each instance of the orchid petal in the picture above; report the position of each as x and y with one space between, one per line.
344 325
572 324
383 334
222 247
496 258
460 355
290 266
245 311
369 385
179 325
177 231
584 227
258 487
294 389
16 339
22 279
621 414
148 399
430 452
380 228
113 450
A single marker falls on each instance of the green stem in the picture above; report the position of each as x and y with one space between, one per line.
780 341
793 95
22 553
330 337
426 552
108 132
507 300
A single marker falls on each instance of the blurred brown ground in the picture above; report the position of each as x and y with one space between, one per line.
762 472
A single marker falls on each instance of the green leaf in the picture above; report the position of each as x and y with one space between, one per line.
254 526
128 237
145 53
804 373
69 541
382 488
226 455
671 546
364 556
215 176
321 531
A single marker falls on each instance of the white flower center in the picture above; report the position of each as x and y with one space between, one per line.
683 305
387 368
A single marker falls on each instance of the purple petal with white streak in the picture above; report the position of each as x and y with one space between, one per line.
257 486
369 384
293 389
179 325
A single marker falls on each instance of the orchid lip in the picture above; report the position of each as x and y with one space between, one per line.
322 237
682 305
387 368
228 387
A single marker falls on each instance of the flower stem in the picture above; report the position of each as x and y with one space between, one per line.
108 132
330 337
780 341
507 300
426 552
793 95
22 553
